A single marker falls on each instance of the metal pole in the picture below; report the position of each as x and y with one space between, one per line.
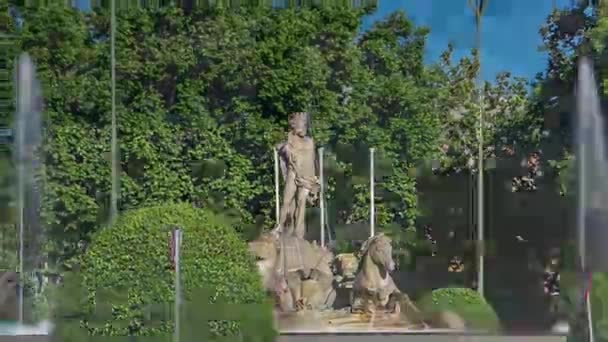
322 196
21 241
582 203
177 242
21 208
589 316
114 143
479 7
582 206
23 88
480 203
277 204
372 208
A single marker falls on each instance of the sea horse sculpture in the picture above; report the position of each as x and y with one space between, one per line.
375 291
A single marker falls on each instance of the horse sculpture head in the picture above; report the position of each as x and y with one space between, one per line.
264 247
325 258
8 295
379 250
265 251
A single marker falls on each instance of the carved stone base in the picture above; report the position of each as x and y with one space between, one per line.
342 321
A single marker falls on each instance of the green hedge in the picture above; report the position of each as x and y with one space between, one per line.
599 306
130 262
572 291
467 303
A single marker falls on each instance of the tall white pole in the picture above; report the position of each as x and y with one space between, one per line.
277 204
21 209
23 106
582 224
589 315
478 7
322 196
177 243
372 209
480 180
21 241
480 203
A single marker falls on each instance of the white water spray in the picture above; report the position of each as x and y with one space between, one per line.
28 136
592 177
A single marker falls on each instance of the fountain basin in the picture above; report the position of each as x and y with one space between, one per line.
43 328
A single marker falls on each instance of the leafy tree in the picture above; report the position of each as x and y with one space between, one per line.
511 122
204 96
212 90
568 35
9 49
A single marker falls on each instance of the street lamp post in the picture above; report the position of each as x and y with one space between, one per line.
478 7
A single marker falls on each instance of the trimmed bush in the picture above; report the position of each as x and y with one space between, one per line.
467 303
128 277
573 286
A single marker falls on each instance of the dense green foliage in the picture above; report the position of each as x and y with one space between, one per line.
598 36
128 269
467 303
600 306
203 97
568 35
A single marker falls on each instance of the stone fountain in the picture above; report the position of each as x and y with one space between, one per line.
303 277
